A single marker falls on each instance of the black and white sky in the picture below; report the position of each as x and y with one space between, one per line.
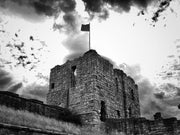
142 37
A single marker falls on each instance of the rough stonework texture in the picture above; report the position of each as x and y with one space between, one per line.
142 126
89 85
105 98
14 101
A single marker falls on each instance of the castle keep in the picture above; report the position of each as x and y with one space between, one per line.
102 97
90 86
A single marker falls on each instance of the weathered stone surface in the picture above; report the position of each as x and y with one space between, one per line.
104 97
16 102
89 84
142 126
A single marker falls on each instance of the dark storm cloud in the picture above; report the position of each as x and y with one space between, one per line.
168 98
46 7
35 91
36 10
7 82
101 8
98 8
67 5
98 5
71 20
5 79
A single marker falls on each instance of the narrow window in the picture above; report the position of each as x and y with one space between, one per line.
52 85
74 70
67 105
132 94
116 81
130 112
73 76
118 113
103 111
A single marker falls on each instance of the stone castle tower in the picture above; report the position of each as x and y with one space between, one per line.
90 86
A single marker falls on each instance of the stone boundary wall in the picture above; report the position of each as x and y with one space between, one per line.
16 102
8 129
143 126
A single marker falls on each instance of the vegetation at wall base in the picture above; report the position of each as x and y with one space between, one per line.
25 118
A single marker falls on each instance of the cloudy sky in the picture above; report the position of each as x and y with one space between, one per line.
142 37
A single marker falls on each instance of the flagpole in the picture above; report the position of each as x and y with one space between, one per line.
86 27
89 37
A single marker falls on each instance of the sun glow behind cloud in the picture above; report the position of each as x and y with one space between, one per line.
125 38
49 55
128 38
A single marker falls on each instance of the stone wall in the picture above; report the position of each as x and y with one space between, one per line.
89 85
142 126
15 101
129 91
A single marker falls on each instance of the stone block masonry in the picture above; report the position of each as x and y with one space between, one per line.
90 86
142 126
16 102
104 97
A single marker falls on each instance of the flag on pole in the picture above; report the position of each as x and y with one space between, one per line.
85 27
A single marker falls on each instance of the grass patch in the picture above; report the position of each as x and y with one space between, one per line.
93 131
24 118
